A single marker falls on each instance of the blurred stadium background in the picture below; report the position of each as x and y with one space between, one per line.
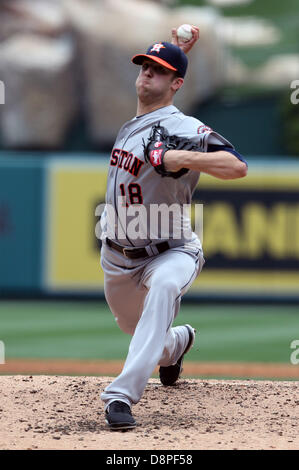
67 86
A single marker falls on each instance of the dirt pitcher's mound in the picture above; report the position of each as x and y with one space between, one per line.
55 412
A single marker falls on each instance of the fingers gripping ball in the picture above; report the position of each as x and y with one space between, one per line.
184 32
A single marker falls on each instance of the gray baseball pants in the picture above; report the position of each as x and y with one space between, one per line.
144 296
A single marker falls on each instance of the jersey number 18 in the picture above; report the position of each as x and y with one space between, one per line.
135 194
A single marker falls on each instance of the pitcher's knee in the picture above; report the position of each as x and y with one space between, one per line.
165 285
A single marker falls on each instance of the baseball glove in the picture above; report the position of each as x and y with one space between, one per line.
159 142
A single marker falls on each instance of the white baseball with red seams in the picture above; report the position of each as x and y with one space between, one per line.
184 32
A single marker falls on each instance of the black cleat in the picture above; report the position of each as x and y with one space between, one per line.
119 417
170 374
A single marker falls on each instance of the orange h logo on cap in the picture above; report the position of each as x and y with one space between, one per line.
157 47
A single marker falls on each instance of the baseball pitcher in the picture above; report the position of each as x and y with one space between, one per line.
149 264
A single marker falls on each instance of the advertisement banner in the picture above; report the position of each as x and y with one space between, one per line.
21 215
74 189
250 229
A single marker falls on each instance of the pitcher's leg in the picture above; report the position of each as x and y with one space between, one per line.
185 270
123 291
165 277
125 299
175 344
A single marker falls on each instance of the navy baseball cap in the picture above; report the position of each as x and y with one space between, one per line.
166 54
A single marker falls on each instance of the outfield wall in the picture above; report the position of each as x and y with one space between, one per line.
47 227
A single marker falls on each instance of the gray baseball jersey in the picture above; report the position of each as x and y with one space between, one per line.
133 183
144 294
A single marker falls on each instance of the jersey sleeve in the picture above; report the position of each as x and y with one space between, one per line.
198 132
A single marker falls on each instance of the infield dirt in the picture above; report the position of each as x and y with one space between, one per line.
65 412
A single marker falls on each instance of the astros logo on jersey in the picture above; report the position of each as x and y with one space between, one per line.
203 128
157 47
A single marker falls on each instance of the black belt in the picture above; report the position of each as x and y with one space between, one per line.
133 252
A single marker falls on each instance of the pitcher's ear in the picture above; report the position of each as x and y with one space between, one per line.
177 83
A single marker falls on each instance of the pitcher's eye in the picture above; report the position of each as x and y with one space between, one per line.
160 69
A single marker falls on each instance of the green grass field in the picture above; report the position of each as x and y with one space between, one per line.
87 330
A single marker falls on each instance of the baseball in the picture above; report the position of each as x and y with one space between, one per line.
184 32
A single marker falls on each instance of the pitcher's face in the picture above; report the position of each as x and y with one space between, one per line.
155 81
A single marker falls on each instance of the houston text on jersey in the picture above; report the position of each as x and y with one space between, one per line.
126 161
